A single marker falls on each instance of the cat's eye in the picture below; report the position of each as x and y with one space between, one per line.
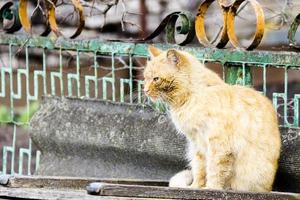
155 79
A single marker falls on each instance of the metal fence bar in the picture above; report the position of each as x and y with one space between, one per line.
61 72
113 77
11 84
130 78
264 79
9 149
286 122
140 92
296 110
44 72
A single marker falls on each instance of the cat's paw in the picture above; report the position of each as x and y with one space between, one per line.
213 187
182 179
196 185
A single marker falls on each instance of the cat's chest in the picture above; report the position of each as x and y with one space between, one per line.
191 124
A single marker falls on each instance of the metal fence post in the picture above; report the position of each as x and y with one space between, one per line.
238 74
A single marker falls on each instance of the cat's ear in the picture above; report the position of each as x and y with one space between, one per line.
153 51
175 57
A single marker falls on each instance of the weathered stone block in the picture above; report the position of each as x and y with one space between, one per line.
107 140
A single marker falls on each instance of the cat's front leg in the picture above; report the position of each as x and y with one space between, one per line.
219 163
198 171
182 179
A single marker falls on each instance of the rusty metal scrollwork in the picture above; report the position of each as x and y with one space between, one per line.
174 24
25 21
52 18
9 11
228 32
18 13
200 25
292 32
260 24
168 24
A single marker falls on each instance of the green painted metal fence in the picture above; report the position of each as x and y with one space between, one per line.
38 66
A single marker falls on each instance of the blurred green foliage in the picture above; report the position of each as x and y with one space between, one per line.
21 115
4 114
26 113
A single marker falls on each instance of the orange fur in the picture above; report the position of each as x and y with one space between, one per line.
232 131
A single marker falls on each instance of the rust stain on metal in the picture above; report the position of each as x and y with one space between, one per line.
26 24
23 15
200 26
52 18
79 9
260 24
227 32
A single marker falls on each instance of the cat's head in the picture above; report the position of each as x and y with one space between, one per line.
166 75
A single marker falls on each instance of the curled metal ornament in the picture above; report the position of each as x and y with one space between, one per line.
169 24
9 11
260 24
292 32
25 21
52 18
200 26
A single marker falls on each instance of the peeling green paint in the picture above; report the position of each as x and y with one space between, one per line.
276 58
238 74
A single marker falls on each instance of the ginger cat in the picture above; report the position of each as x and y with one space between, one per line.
232 131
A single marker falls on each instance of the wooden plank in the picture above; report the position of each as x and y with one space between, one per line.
44 193
71 182
105 189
